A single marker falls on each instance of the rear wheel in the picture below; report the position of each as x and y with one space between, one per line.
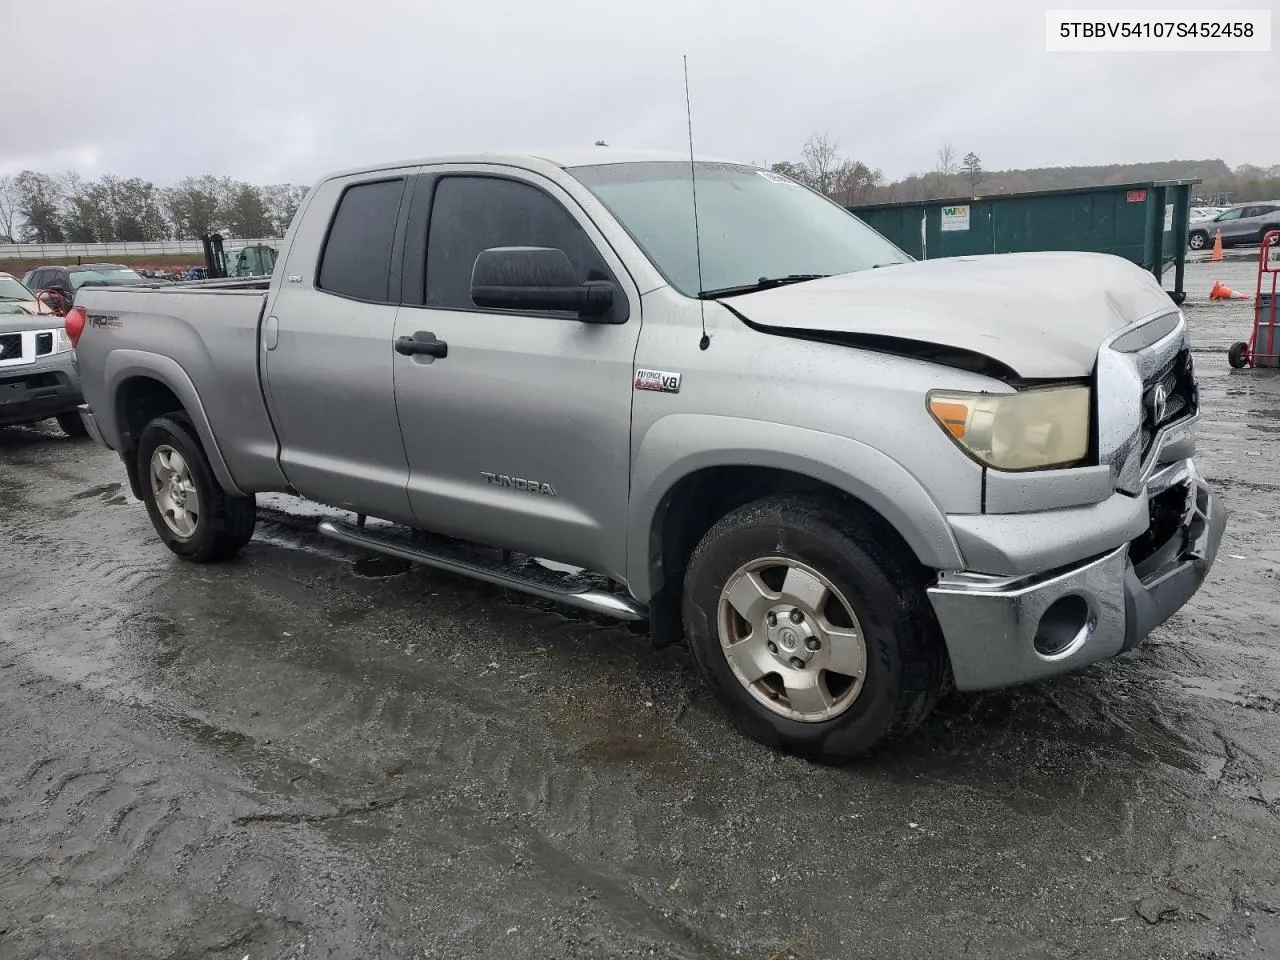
72 425
194 516
1238 355
812 629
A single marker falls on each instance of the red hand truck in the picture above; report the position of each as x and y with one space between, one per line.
1263 347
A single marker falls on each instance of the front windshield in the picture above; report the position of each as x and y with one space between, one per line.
109 275
11 288
752 224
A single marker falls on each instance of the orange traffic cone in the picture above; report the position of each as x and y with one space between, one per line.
1220 291
1217 245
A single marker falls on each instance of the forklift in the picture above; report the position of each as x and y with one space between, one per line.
254 261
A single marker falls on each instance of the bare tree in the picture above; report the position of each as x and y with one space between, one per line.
8 207
856 183
947 160
820 158
282 200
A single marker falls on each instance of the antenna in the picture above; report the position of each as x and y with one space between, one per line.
693 182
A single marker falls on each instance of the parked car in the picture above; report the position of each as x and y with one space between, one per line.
847 478
67 280
37 378
1204 213
1243 224
16 296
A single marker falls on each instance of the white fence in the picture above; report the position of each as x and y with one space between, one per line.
100 251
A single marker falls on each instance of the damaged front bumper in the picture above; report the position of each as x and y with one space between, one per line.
1003 630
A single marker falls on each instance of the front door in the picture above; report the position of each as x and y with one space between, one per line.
1229 223
520 435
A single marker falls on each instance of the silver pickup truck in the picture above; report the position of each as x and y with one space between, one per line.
850 480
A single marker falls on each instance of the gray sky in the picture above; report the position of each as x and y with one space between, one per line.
285 90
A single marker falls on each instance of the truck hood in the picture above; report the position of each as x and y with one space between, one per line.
1039 315
17 315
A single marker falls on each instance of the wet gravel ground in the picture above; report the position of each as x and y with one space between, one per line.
305 754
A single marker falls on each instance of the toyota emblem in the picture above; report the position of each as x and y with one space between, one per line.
1159 402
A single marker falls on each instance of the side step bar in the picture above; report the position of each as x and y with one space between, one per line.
480 563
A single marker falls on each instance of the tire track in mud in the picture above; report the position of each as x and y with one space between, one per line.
510 766
94 845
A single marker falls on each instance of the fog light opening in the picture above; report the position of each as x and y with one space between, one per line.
1063 627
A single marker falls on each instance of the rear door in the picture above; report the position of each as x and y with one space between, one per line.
520 436
327 348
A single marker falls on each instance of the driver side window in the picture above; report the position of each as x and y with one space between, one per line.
470 214
1231 215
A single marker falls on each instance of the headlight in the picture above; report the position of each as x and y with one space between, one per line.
1028 430
61 342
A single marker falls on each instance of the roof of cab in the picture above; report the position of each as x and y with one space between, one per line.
565 158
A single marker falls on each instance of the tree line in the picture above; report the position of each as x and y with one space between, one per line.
38 207
42 208
824 167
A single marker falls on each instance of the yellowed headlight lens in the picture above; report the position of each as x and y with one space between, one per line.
1028 430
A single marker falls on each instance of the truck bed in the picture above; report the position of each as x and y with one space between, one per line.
200 340
226 285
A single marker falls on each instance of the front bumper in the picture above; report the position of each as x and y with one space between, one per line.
1003 630
38 391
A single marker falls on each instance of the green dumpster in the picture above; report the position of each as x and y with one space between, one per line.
1142 222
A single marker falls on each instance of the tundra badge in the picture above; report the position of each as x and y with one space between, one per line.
519 483
663 381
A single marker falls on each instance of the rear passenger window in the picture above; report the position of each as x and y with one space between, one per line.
471 214
357 253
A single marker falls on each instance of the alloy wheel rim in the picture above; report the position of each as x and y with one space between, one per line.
174 491
792 639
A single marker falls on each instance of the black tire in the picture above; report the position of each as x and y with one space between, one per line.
1198 240
1238 355
907 669
72 425
224 523
1262 234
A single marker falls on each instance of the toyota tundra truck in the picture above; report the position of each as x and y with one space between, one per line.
850 481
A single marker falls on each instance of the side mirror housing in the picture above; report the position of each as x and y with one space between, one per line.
536 278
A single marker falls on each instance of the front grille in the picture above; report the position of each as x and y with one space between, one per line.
10 346
1167 396
44 344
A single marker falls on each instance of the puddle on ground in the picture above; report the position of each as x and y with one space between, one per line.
377 567
107 489
627 747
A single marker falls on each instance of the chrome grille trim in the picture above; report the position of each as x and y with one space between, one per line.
1122 381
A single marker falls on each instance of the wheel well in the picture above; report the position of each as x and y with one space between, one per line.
139 401
700 499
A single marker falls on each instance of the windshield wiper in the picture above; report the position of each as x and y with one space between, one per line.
22 299
764 283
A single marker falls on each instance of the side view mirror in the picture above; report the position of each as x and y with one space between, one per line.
536 278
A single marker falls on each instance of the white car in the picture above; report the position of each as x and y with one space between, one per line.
1204 213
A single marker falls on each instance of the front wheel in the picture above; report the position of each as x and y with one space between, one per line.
1198 241
1238 355
72 425
194 516
812 629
